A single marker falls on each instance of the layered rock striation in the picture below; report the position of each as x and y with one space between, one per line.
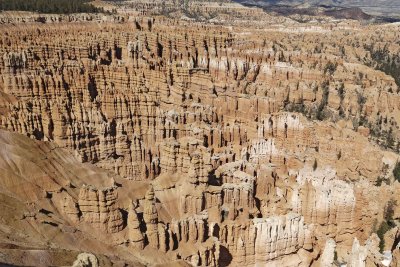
213 143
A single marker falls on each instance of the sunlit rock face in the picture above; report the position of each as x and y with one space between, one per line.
231 138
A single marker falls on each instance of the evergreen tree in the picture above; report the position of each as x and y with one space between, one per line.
50 6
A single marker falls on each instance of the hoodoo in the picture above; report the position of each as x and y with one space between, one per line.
198 133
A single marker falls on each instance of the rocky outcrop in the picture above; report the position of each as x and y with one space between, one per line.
150 217
328 255
98 207
136 237
71 208
86 260
266 240
367 255
219 135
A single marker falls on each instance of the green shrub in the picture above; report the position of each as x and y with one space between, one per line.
330 68
315 165
382 59
341 91
383 228
396 172
324 101
387 224
382 179
389 211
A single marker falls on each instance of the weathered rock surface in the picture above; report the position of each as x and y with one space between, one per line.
199 139
86 260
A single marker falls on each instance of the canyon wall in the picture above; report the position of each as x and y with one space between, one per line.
216 143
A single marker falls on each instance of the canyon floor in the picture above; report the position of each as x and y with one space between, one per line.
195 133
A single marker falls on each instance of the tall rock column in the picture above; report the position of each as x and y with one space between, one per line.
328 256
136 237
150 217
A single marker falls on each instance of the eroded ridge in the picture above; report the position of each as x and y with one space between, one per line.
213 143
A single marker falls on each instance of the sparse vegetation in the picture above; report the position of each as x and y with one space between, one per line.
382 179
387 223
315 165
389 210
361 100
383 60
390 139
324 101
50 6
396 172
341 91
330 68
383 228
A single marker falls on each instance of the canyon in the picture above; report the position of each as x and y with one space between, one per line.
210 135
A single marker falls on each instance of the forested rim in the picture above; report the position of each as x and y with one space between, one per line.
50 6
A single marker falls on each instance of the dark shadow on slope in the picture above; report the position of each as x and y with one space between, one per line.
225 257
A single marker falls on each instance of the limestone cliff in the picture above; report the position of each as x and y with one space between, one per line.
213 134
